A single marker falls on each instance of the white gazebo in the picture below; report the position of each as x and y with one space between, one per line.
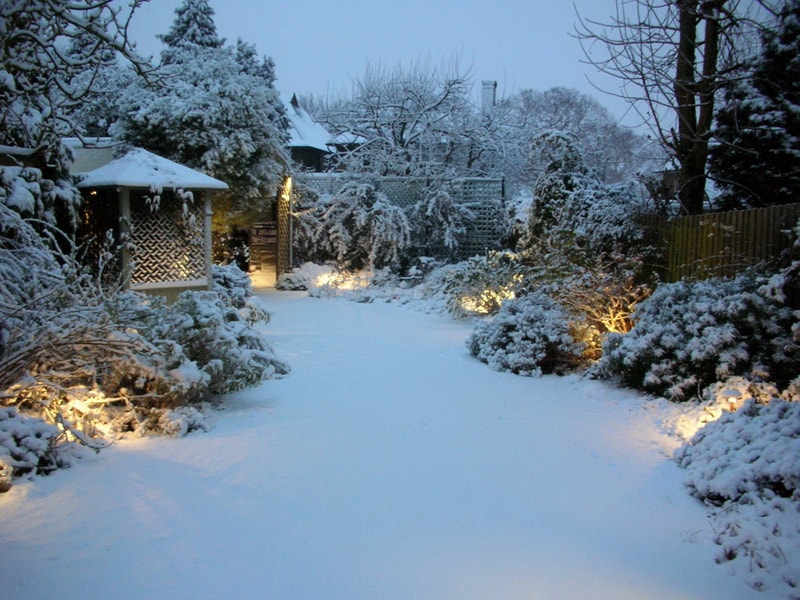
159 210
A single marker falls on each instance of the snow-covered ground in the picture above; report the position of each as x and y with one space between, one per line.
389 464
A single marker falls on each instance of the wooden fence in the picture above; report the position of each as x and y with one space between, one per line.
722 244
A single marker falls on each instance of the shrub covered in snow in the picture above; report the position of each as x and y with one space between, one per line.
219 341
529 336
303 277
688 335
28 445
478 285
439 225
235 289
357 228
747 464
750 450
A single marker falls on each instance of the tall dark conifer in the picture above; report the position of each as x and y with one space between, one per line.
757 160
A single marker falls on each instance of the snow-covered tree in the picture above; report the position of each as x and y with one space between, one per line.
41 81
215 115
193 28
573 211
404 121
99 107
614 152
439 225
758 127
356 228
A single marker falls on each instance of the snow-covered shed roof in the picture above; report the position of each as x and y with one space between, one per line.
140 168
304 131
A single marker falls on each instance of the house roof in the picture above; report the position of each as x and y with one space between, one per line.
304 131
140 168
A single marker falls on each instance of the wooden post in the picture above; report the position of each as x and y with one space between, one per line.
125 227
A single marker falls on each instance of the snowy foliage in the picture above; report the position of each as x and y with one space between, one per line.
478 285
83 357
234 287
357 228
29 445
217 115
688 335
529 335
752 449
439 225
758 127
303 277
748 464
42 194
218 339
39 80
573 211
192 28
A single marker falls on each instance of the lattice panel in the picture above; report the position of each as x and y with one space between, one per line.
484 197
168 242
283 226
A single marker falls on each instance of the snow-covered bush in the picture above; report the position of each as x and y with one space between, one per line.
28 445
357 228
753 449
232 284
530 335
439 225
478 285
573 213
217 339
745 460
235 289
688 335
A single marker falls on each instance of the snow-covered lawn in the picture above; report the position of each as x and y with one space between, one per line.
388 464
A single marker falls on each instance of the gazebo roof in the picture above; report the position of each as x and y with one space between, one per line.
142 169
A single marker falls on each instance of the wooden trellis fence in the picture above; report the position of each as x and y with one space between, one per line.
722 244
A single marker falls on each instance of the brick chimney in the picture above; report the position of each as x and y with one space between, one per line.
488 95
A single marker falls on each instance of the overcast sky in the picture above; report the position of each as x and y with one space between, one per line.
321 46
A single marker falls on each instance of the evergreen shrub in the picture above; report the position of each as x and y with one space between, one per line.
688 335
529 335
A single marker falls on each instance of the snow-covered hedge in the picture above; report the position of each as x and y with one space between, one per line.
753 449
528 336
688 335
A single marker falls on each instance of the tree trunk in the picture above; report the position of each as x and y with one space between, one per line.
695 98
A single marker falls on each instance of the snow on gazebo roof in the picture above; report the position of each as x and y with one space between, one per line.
142 169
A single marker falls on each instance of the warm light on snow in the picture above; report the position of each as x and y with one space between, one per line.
342 281
489 300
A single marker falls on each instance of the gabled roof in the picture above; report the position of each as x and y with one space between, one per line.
142 169
304 131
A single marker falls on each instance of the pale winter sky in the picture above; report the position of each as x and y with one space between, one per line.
320 46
